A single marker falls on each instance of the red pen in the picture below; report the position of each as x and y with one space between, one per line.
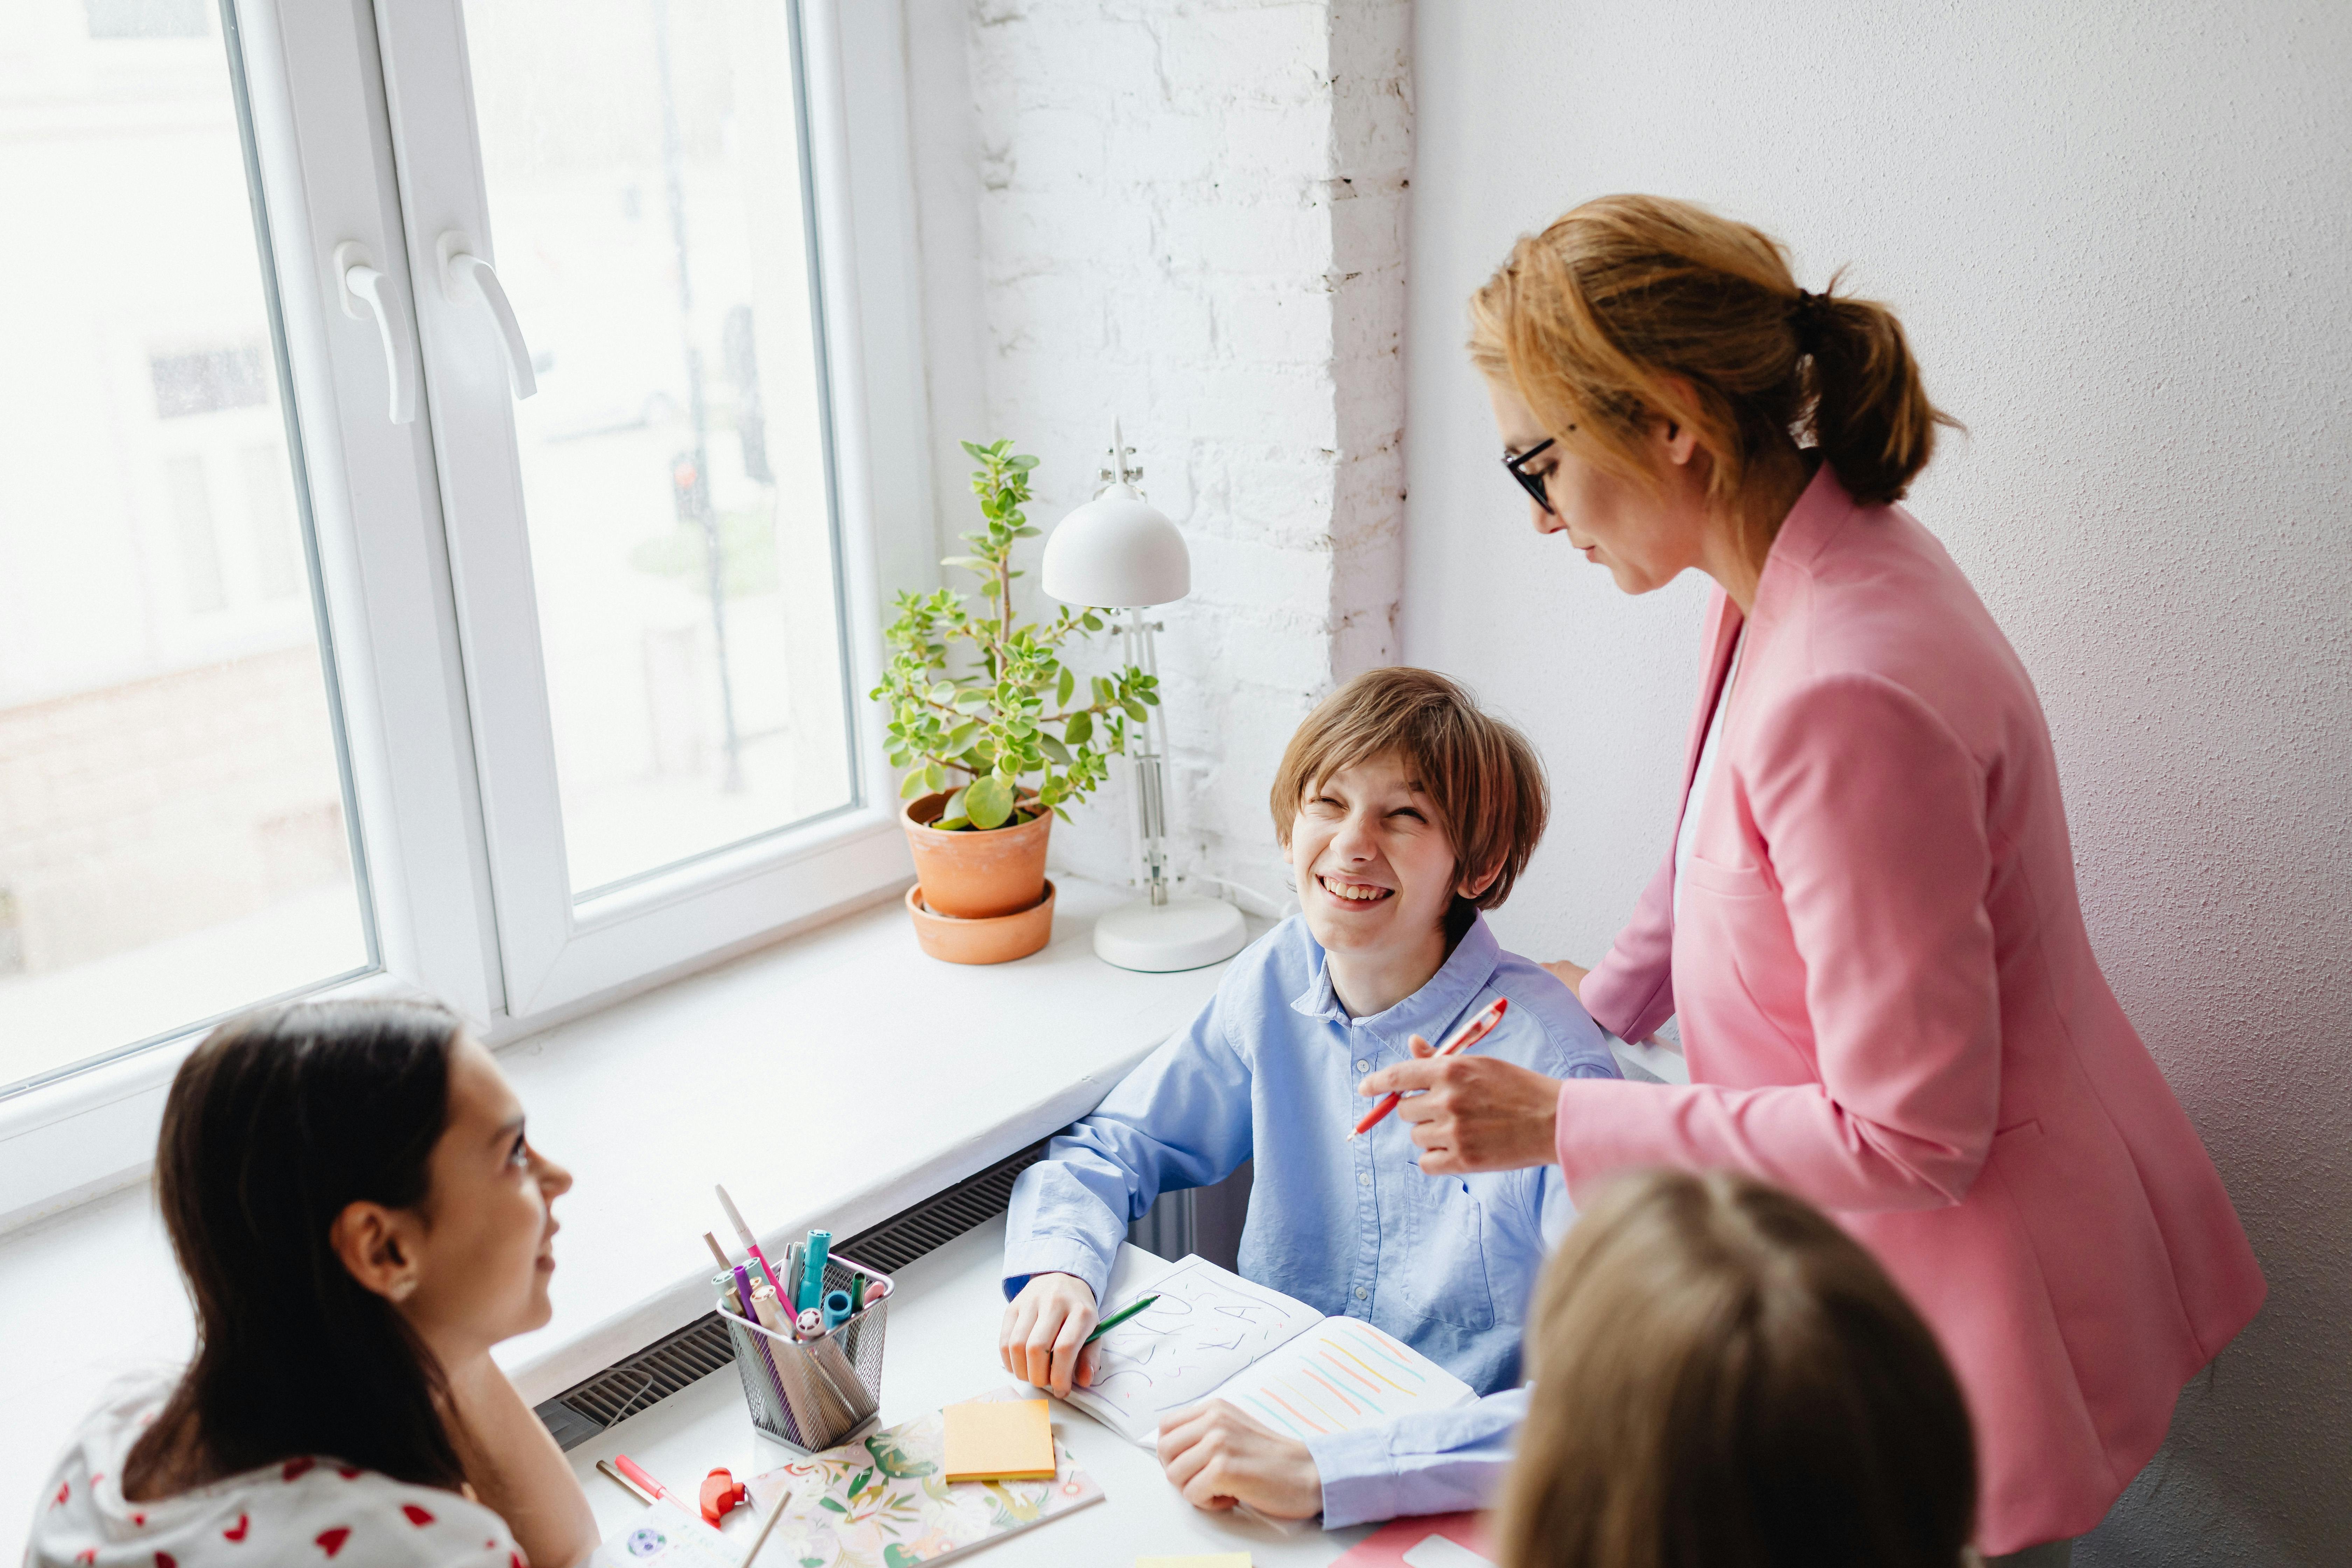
1469 1034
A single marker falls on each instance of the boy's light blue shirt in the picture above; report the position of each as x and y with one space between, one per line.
1446 1264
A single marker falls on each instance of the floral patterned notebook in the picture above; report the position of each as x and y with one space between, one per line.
885 1502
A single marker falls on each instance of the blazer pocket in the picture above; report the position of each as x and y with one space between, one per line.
1729 881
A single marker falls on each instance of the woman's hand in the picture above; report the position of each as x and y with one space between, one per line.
1217 1457
1045 1329
1472 1112
513 1467
1572 974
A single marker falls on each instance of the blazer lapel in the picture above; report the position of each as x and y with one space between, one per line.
1723 624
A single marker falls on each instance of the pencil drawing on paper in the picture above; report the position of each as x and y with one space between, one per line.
1205 1325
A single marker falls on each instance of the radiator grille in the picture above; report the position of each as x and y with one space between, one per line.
699 1349
936 1221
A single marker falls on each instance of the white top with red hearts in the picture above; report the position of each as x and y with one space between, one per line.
305 1511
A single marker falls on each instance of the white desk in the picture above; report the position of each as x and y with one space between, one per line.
942 1348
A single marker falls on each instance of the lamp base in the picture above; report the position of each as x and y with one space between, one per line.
1159 939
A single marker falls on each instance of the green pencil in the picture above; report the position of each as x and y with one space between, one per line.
1115 1318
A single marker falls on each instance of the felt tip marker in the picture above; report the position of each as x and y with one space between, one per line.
812 1293
770 1310
744 1290
751 1243
1470 1034
727 1271
636 1476
605 1466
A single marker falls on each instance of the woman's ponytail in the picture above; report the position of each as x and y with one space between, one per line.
1863 399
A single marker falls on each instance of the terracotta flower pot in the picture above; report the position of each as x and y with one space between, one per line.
977 874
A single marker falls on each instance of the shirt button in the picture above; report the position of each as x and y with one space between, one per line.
1363 1178
1360 1292
1362 1066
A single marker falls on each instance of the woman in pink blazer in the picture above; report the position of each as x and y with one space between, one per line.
1868 926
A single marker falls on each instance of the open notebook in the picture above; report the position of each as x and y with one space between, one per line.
1215 1335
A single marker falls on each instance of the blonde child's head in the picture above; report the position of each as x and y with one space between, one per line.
1724 1379
1444 803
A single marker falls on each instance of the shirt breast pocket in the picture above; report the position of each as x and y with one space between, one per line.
1445 1265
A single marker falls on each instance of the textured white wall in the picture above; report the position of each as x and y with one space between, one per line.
2118 238
1192 215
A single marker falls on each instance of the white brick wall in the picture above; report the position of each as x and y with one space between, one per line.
1193 215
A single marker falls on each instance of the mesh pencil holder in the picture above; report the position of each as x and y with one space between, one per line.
812 1394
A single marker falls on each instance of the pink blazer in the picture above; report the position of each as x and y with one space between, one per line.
1889 1004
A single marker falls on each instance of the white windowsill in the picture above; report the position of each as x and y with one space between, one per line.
832 1079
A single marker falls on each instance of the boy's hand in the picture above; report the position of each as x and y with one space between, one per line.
1472 1112
1045 1328
1218 1457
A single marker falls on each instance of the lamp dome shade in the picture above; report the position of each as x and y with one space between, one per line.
1118 551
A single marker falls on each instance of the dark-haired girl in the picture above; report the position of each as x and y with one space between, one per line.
359 1216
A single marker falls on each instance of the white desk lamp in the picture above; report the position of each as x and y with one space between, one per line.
1119 552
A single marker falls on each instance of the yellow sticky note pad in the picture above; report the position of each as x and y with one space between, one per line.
999 1440
1198 1560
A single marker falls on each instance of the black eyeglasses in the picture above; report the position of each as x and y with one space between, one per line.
1517 462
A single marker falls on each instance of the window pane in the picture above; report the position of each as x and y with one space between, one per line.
645 188
173 842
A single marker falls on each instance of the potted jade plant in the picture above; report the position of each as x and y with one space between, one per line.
987 721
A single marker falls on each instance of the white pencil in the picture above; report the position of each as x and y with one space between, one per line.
761 1539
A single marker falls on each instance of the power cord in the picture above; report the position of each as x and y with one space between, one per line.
1274 908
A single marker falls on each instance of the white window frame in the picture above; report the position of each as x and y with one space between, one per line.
445 718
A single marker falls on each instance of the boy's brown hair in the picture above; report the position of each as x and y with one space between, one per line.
1480 774
1724 1379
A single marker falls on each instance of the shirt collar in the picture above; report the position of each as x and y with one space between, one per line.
1453 987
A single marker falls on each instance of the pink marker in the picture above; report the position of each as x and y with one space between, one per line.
751 1243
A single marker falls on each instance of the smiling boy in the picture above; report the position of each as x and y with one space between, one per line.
1405 811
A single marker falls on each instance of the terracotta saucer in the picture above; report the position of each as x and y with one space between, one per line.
999 938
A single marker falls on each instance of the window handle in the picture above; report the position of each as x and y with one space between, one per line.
466 276
368 292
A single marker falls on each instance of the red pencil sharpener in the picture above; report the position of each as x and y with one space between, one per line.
721 1494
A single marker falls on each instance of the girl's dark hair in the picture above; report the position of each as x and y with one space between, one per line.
1724 1379
1633 307
276 1124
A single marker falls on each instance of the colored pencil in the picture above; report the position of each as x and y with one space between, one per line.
1115 1318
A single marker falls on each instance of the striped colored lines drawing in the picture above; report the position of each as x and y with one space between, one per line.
1336 1386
